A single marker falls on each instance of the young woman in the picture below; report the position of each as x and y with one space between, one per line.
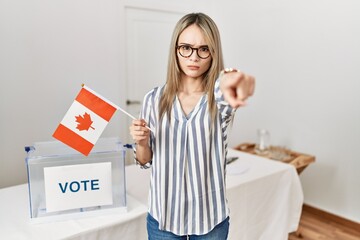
189 117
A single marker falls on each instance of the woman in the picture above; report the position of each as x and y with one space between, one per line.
189 117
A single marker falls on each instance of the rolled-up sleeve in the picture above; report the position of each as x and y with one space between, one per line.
226 111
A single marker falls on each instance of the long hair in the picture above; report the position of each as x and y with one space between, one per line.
173 78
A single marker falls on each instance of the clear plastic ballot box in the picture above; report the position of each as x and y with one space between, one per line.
65 184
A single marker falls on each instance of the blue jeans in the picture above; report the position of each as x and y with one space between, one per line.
220 232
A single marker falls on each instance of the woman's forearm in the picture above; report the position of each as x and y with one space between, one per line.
143 153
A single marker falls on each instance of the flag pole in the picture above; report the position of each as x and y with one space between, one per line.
131 116
113 104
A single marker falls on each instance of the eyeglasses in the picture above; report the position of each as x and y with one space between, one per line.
186 51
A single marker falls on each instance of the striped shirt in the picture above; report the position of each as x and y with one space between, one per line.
187 187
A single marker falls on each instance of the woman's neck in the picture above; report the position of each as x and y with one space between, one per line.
191 85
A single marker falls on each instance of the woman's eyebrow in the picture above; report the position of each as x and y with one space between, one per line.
188 44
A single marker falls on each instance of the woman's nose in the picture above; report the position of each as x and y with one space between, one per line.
194 56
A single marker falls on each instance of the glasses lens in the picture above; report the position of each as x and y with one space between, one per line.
185 51
203 52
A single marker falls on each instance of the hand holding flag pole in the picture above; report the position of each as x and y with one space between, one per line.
86 119
131 116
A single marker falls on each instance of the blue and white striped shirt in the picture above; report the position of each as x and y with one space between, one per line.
187 187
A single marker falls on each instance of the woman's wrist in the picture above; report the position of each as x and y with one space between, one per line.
142 156
143 153
227 70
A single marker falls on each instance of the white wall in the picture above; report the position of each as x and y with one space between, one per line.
47 50
306 58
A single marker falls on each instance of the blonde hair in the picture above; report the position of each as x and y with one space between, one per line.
212 37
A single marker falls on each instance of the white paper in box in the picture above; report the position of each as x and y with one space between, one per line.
65 184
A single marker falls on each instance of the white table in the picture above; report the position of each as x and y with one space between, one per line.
265 199
15 221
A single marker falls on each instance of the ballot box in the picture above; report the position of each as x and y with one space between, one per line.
64 184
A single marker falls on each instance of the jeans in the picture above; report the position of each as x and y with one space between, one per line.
220 232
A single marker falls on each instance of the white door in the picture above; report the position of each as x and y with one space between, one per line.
148 34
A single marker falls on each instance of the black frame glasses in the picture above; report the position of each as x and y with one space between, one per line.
186 51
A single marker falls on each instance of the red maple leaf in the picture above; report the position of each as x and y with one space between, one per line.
84 122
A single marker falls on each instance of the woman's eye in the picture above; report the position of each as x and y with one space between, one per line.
186 48
204 49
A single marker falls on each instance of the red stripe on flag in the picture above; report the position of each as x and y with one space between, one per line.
73 140
96 104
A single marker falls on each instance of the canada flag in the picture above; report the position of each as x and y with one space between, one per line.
85 120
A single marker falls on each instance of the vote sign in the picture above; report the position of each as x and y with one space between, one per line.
78 186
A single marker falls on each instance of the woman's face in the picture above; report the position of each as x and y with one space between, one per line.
195 65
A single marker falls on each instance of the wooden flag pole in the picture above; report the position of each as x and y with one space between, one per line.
116 106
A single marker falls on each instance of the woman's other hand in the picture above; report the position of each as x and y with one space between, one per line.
237 87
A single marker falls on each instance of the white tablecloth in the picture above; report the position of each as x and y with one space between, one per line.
265 200
265 197
15 221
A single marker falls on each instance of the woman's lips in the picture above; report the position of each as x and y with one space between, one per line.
192 67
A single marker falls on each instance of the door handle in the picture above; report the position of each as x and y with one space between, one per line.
132 102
